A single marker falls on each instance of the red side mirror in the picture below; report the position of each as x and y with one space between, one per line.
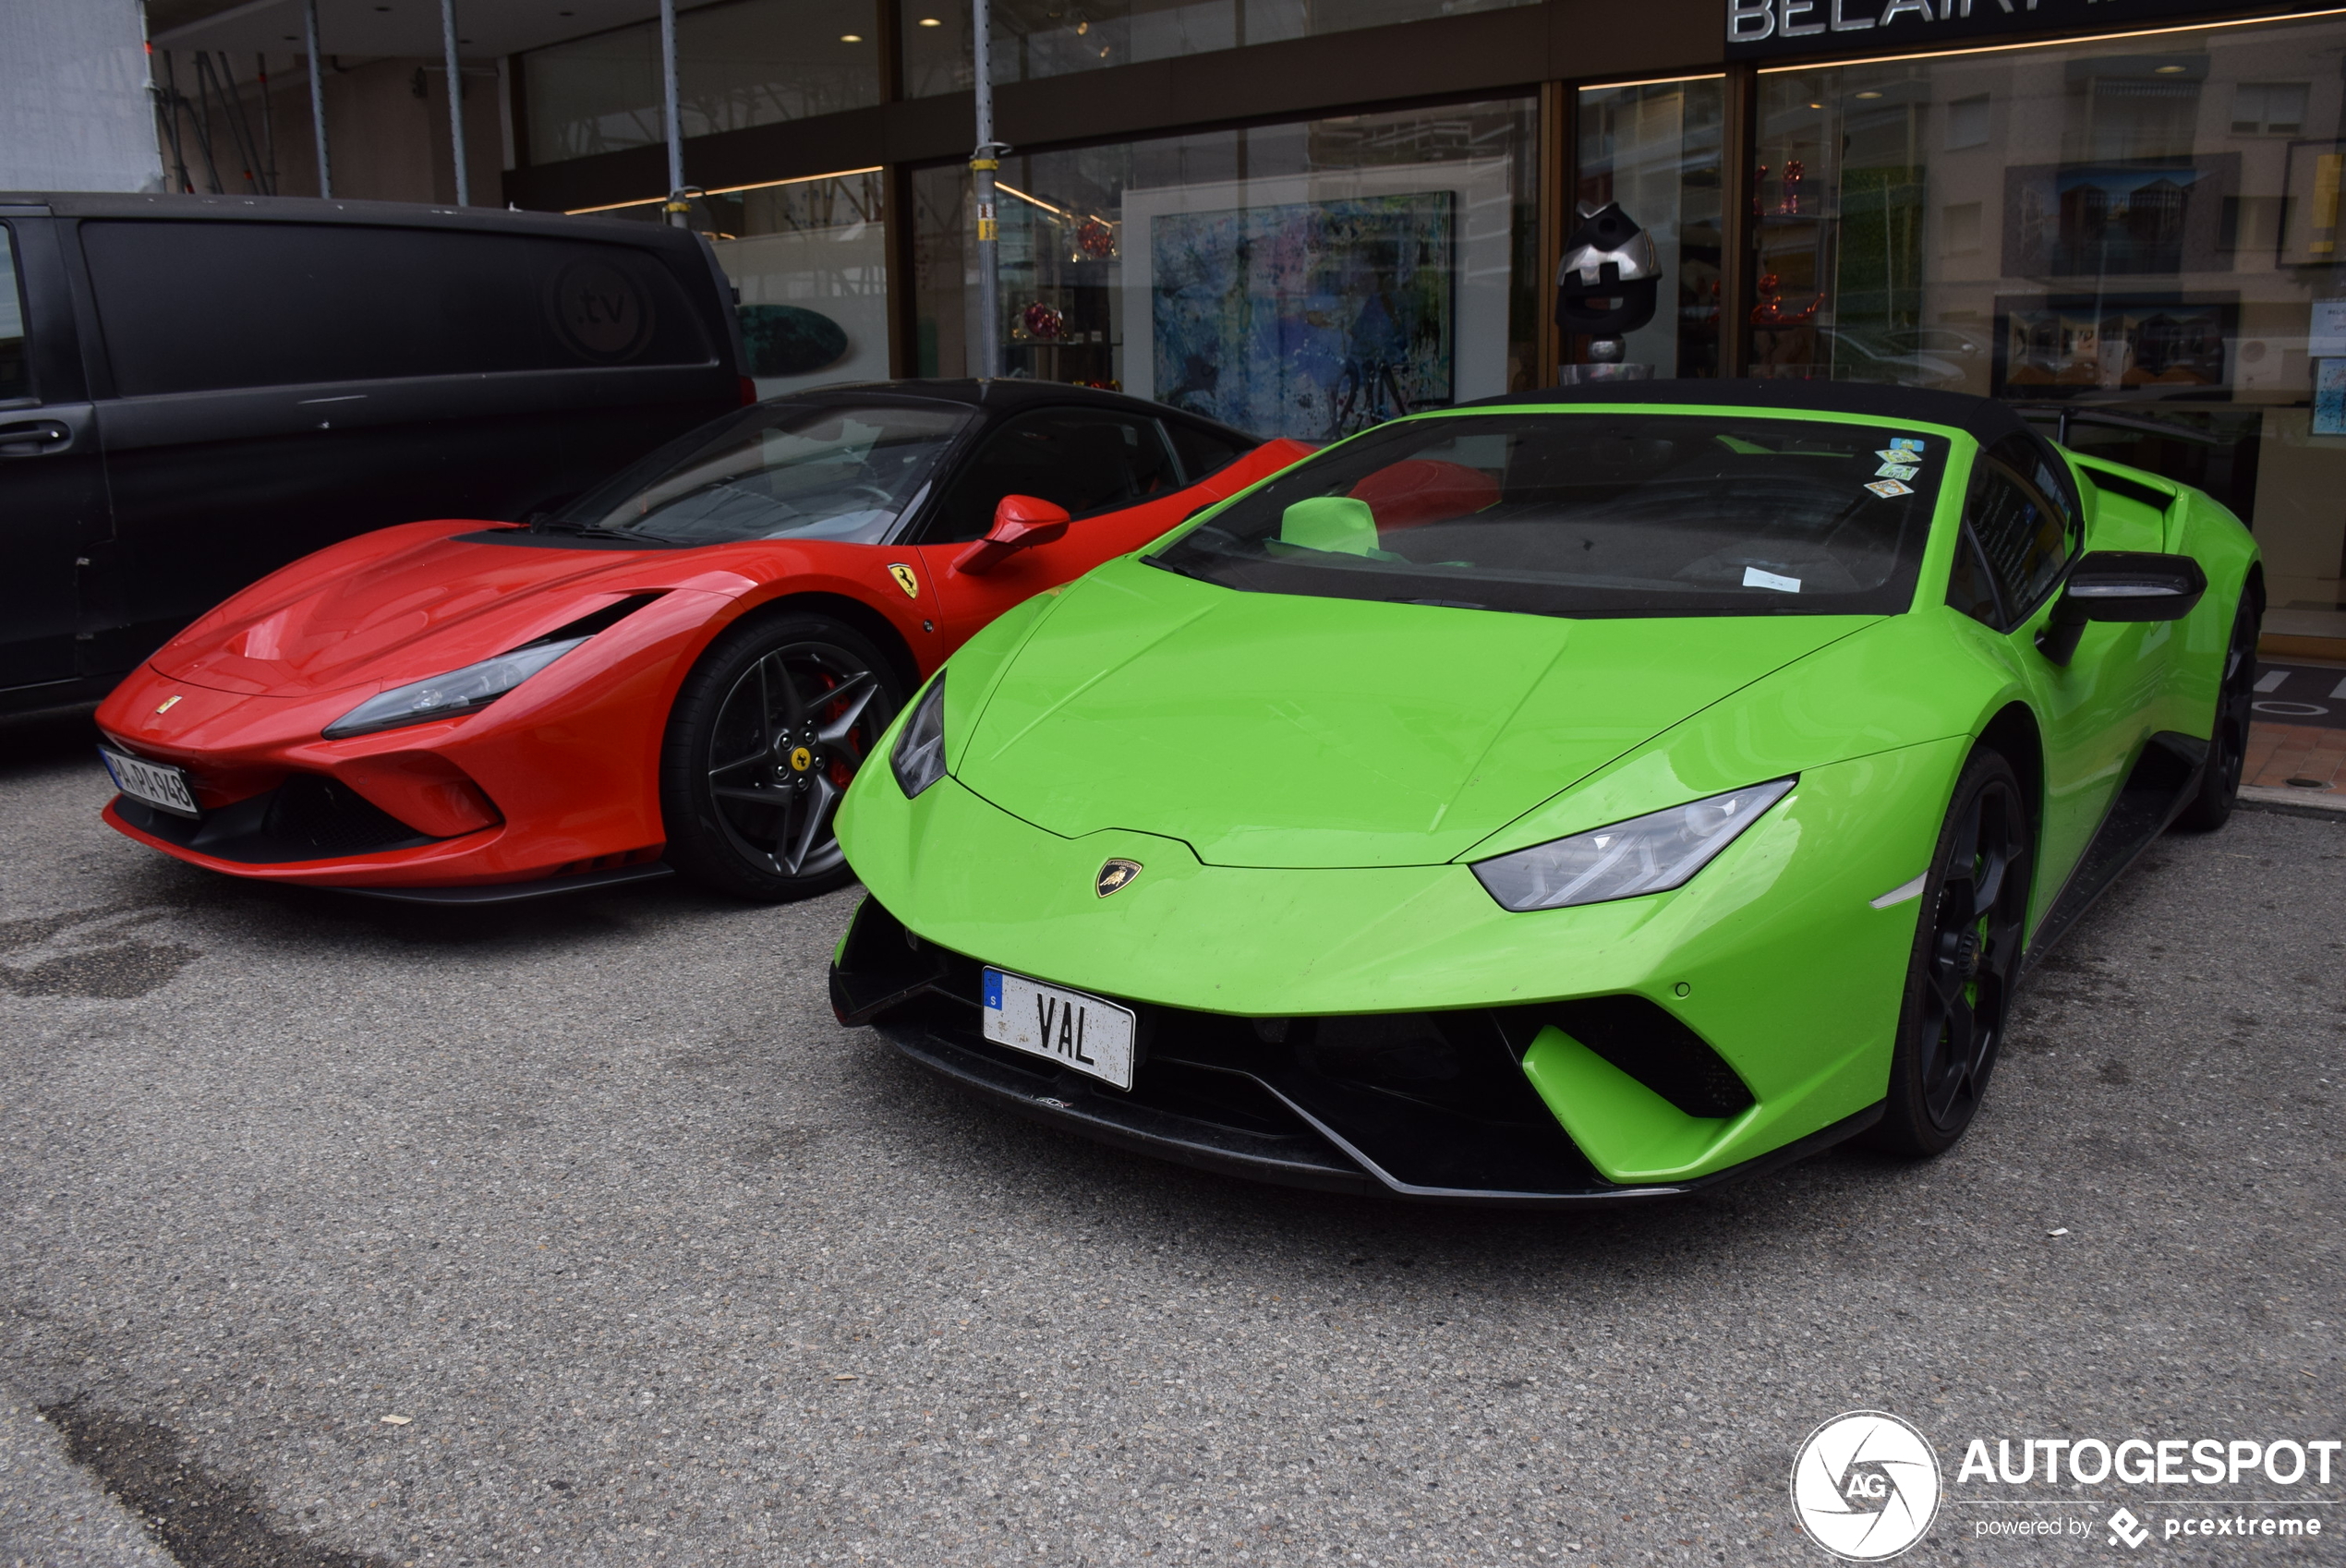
1019 521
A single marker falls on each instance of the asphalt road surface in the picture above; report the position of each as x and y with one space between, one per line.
342 1233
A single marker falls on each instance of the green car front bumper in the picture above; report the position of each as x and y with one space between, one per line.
1391 1028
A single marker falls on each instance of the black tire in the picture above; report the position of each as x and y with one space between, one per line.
1965 963
776 718
2211 807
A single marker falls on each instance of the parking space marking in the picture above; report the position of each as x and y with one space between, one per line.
2315 701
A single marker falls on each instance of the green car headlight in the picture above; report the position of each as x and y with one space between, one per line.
451 695
1646 855
918 759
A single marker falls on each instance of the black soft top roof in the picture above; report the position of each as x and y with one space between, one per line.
1983 418
1002 396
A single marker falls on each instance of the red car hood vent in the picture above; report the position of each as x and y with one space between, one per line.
385 622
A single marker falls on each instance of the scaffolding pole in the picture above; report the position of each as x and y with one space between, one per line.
455 101
166 136
672 118
318 97
983 161
267 127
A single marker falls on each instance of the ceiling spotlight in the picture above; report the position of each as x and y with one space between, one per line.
2167 70
1869 93
1816 105
931 21
851 38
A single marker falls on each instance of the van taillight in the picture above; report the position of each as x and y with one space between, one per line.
749 392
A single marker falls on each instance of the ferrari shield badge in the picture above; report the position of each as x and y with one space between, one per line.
905 579
1115 876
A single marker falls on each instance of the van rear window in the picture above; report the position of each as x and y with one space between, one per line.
14 381
197 307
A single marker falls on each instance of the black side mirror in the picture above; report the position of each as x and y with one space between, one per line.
2120 584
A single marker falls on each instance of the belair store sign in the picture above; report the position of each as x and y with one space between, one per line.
1763 28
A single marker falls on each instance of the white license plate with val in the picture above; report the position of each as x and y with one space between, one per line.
1084 1032
156 783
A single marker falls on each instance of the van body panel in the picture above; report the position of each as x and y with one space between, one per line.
258 378
53 485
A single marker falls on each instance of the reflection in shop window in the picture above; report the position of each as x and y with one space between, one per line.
1033 39
1306 280
2270 108
747 63
809 261
1968 122
1655 149
2134 228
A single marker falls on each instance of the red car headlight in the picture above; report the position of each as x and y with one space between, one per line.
452 695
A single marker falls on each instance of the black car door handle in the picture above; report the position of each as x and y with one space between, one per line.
31 438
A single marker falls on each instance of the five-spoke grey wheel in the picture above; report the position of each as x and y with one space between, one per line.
788 739
771 728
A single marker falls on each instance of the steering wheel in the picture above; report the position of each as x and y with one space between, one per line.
881 500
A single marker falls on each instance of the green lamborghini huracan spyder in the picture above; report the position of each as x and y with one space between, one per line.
1576 797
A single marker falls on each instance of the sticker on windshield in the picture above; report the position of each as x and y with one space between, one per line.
1907 443
1897 471
1898 455
1755 578
1885 488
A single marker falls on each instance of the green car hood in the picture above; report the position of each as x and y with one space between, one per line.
1268 729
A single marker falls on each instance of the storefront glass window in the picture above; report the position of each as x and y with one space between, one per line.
1051 37
750 63
1305 280
1655 149
810 258
2121 230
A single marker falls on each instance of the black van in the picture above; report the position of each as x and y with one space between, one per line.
194 391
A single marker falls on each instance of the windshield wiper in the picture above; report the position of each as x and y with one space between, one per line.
1164 565
594 531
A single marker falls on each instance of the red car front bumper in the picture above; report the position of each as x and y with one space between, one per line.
556 780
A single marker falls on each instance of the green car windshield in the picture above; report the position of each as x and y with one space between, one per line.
1604 512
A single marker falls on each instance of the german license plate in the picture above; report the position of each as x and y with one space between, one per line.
1076 1030
156 783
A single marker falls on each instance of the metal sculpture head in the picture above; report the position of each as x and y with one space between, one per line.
1610 277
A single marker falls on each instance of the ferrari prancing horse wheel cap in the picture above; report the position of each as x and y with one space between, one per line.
1115 875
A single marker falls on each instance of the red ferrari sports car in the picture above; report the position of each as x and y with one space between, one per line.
682 670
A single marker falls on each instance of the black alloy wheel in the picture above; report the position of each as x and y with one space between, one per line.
2211 805
1966 964
771 727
